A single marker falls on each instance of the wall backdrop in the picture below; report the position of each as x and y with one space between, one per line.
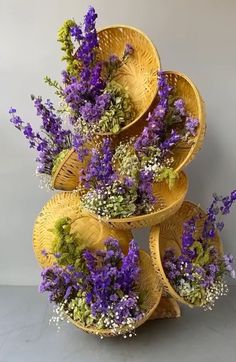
195 37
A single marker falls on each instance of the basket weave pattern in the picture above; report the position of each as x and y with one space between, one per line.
139 73
168 235
89 230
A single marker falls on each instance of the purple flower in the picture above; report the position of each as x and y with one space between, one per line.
191 125
128 50
180 106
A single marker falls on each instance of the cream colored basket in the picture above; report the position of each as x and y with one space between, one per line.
90 230
151 289
169 235
169 201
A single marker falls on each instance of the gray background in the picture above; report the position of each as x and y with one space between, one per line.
195 37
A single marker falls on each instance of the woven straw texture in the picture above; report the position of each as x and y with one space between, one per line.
139 73
183 153
169 201
168 235
89 230
66 177
149 285
185 89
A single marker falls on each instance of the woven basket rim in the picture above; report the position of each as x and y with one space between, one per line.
156 230
146 216
106 331
59 166
115 26
201 109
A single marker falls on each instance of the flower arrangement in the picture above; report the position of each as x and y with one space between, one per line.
119 183
198 273
90 100
94 288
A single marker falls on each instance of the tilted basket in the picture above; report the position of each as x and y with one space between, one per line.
90 230
138 75
184 88
169 235
169 201
149 286
184 153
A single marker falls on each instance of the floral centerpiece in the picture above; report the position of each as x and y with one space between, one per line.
198 273
119 183
96 289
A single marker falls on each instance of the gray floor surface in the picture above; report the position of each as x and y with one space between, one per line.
25 335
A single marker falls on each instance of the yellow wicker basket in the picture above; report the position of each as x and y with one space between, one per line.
169 201
168 235
185 89
67 175
183 153
90 230
151 289
138 75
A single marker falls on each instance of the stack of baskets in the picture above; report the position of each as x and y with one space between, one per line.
139 75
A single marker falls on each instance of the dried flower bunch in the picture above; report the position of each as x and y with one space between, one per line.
119 183
90 100
198 273
96 288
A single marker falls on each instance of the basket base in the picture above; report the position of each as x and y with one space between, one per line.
167 308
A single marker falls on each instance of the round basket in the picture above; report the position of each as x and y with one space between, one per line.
169 201
183 153
66 177
168 235
150 287
184 88
90 231
139 73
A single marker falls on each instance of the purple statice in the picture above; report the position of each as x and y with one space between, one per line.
129 50
60 283
180 106
92 112
111 279
191 125
99 171
198 273
145 197
153 133
79 144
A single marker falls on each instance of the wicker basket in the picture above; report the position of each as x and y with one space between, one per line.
168 235
185 89
139 73
90 230
183 153
149 285
66 177
169 201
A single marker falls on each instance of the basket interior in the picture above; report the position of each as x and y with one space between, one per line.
139 73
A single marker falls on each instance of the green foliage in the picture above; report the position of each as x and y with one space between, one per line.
67 46
55 85
59 158
121 110
80 310
66 244
126 161
167 174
